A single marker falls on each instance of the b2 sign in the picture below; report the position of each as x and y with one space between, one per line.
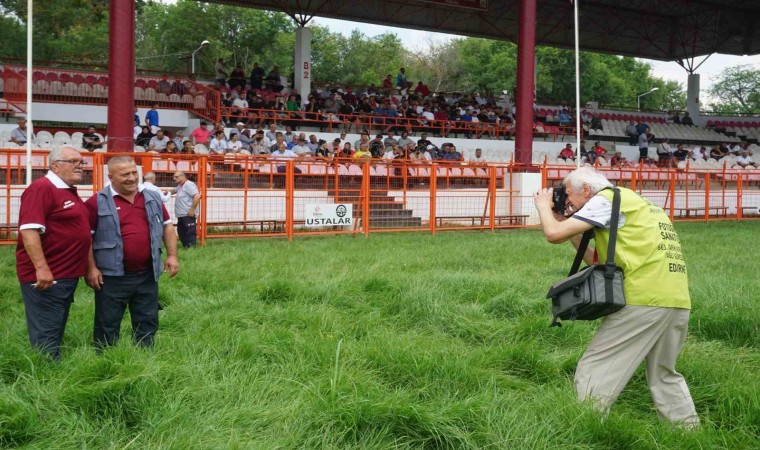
329 215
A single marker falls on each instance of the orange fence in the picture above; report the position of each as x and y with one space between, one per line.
87 87
244 196
259 117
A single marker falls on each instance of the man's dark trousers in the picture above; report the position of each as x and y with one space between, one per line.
47 312
139 291
186 231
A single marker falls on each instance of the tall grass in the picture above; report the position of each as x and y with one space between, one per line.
396 341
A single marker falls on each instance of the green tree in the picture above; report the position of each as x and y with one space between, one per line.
737 91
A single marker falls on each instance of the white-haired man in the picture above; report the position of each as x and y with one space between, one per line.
653 323
53 244
149 183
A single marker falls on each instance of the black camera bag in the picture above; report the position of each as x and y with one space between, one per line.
595 291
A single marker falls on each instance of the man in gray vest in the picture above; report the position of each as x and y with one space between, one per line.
125 263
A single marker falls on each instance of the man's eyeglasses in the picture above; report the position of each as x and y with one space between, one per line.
75 162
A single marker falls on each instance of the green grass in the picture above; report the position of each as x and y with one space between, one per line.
396 341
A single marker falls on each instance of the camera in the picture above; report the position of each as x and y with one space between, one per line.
559 196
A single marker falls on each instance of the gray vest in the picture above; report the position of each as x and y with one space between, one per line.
107 245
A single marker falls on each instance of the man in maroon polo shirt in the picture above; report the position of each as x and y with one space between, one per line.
53 243
125 263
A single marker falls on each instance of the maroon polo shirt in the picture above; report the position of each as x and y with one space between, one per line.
56 210
135 231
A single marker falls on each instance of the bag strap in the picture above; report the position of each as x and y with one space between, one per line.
609 265
585 238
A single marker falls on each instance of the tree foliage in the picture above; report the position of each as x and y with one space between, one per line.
737 91
167 34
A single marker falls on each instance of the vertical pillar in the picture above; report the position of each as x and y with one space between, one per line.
121 75
526 50
302 65
692 99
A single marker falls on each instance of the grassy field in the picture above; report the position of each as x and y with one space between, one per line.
396 341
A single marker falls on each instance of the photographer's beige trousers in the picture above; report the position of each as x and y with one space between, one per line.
623 340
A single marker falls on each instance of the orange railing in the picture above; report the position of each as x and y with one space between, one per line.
263 196
257 118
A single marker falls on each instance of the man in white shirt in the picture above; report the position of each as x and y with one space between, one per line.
301 148
744 159
272 133
477 158
218 144
18 135
158 142
149 180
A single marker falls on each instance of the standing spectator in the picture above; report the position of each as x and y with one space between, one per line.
201 135
237 77
185 208
53 244
149 183
257 76
401 80
151 118
665 154
652 326
125 266
644 146
18 135
158 142
90 140
632 132
220 73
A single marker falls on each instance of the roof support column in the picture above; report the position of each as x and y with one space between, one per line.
526 51
121 81
692 99
302 63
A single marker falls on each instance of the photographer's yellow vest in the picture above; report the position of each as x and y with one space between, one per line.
649 252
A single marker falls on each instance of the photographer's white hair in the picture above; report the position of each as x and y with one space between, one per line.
588 176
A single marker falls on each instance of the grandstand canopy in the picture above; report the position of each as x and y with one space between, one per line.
655 29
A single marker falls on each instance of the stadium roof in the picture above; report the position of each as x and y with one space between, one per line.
666 30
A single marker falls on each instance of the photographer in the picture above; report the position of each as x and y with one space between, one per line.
653 323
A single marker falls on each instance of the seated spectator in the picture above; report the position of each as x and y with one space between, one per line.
363 151
164 86
599 151
171 147
686 120
567 153
178 87
700 153
90 140
676 118
235 146
680 154
744 160
617 160
179 138
478 158
451 154
564 118
273 82
18 135
282 154
143 139
218 144
201 135
422 89
391 140
187 148
345 152
390 153
158 142
717 153
301 148
387 85
260 145
596 122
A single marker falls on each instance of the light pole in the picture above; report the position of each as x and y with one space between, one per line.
203 44
638 97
